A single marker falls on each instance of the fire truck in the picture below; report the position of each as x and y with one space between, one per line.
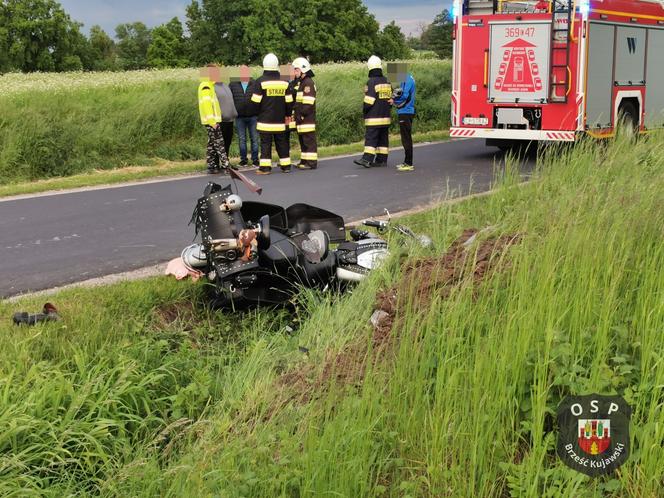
554 70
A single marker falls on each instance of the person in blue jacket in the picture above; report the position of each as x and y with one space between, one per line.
404 101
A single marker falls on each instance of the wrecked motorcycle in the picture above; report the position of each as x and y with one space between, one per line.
260 254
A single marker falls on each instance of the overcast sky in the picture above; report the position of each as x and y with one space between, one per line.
109 13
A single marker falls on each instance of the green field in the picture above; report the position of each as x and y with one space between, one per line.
140 392
55 125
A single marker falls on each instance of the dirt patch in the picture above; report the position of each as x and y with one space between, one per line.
468 259
464 259
424 279
183 314
346 367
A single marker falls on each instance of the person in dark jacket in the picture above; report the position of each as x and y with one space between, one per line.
274 105
305 113
377 95
228 111
245 121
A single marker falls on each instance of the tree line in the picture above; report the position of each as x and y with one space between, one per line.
38 35
436 36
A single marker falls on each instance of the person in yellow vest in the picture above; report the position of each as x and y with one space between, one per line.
210 112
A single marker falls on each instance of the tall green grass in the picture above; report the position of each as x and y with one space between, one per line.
79 123
112 402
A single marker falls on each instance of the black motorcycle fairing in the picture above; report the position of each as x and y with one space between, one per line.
286 257
253 211
289 256
303 218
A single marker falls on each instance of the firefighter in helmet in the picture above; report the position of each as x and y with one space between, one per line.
305 113
377 95
274 105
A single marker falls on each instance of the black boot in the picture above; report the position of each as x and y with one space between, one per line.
362 162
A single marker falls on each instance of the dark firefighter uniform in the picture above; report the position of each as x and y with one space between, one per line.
274 104
305 118
377 118
292 89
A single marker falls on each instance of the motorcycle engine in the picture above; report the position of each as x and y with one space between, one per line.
356 259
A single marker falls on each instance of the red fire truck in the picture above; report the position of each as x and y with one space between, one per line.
553 70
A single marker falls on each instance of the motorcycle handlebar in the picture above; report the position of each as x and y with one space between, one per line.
375 223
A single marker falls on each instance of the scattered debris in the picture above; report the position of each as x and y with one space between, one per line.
177 268
379 317
49 313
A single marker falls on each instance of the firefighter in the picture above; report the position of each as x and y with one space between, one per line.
305 113
210 113
274 106
377 95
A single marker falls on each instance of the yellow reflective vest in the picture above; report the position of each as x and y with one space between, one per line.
208 105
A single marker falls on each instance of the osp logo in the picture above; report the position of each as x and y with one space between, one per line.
593 435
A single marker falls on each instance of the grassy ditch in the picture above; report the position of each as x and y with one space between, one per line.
139 391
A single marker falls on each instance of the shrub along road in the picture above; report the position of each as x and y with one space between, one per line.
53 240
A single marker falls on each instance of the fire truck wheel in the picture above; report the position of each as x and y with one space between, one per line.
628 115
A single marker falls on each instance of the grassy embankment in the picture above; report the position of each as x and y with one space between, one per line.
60 125
140 392
163 168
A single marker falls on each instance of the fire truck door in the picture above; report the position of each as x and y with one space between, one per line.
630 56
655 80
600 76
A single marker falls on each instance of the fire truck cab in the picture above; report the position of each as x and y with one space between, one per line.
552 70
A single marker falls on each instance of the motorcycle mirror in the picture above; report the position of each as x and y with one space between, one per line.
264 232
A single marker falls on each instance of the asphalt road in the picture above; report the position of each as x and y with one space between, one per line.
52 240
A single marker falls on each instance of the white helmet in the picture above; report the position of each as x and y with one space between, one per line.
270 62
375 62
302 64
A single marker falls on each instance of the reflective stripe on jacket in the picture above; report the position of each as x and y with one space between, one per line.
208 105
272 101
377 95
305 105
